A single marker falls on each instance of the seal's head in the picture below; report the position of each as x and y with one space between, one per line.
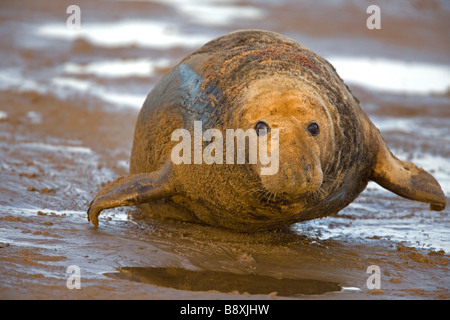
303 143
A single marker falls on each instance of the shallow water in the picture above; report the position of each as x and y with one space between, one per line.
69 100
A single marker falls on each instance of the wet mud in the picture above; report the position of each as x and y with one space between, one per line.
66 130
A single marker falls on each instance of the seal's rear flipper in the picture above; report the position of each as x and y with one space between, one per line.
131 190
407 180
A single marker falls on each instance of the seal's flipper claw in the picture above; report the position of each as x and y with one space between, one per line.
131 190
92 215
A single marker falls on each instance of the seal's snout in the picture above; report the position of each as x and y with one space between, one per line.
295 178
306 178
296 181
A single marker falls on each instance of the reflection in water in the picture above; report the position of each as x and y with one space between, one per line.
183 279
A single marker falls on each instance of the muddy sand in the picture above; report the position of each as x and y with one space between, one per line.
69 100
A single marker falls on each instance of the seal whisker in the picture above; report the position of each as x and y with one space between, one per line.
321 191
330 180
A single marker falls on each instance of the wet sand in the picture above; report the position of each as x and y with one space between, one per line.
66 127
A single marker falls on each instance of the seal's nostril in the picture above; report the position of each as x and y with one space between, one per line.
307 169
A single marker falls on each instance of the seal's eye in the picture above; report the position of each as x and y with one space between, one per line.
261 128
313 128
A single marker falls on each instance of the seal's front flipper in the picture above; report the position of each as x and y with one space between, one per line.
407 180
132 190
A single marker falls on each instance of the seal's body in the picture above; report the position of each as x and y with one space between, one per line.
328 148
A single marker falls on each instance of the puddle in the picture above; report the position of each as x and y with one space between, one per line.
227 282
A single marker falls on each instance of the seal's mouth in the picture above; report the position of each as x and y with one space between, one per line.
292 186
268 195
